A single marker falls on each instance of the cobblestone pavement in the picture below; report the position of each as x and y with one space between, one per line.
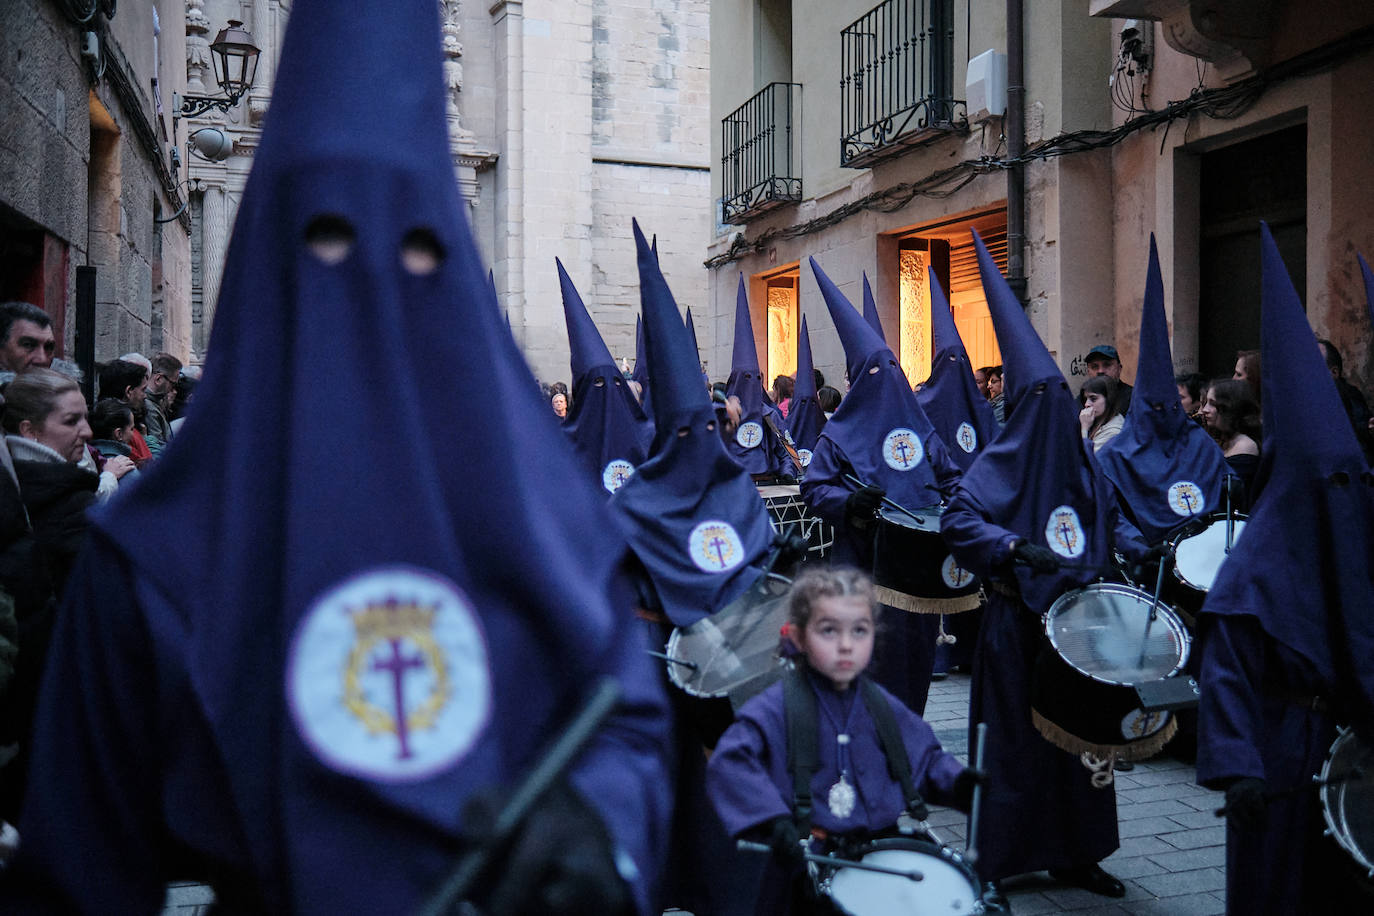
1173 848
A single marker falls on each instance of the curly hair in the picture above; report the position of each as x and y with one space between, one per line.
831 582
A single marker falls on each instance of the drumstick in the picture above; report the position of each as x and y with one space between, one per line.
1356 774
676 661
976 809
890 503
751 846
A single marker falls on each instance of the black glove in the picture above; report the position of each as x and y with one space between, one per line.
559 861
792 549
785 840
964 784
1040 559
1245 804
1140 572
862 505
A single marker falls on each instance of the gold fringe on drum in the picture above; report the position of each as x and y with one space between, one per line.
902 601
1141 749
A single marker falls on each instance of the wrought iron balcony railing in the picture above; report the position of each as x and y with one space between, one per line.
761 141
896 90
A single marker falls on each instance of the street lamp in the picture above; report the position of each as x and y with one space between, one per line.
235 59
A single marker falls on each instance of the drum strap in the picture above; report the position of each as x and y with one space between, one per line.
894 748
803 757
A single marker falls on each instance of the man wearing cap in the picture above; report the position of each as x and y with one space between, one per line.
1103 360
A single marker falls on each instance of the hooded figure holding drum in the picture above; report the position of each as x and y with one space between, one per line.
1286 636
1035 517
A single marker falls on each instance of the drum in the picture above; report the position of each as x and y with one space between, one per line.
914 570
1101 641
734 652
1200 548
1347 798
788 512
947 884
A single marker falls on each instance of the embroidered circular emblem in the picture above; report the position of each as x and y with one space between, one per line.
616 473
955 576
967 437
387 677
1064 533
1186 499
902 449
715 546
750 434
1141 724
805 455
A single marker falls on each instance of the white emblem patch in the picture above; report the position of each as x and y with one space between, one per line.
750 434
967 437
715 546
902 449
387 677
1186 499
616 473
1064 533
1141 724
805 455
955 576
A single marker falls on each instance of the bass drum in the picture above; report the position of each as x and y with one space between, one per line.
1347 798
947 885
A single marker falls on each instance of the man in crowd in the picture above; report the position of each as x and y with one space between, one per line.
1103 360
26 337
128 382
1356 407
162 388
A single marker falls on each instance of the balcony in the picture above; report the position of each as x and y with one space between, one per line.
762 144
896 90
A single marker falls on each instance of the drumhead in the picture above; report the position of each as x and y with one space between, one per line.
1347 796
1198 557
1105 632
736 645
927 519
946 887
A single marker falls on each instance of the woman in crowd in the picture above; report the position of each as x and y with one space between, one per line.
1099 419
828 397
782 393
1232 416
112 429
1248 370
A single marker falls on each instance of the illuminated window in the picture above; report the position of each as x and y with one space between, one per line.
913 301
783 325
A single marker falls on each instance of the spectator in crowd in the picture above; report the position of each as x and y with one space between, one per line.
560 405
186 386
995 396
128 382
980 378
1190 386
1099 419
1103 360
829 399
162 383
26 337
782 393
1231 415
1356 407
1248 369
112 431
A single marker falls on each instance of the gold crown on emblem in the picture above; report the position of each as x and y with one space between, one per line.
393 617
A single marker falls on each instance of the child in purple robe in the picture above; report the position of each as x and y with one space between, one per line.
854 794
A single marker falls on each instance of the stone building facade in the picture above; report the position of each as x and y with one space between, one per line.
91 197
567 118
1189 120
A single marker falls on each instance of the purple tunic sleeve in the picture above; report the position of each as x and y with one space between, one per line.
739 776
935 769
1230 715
978 545
824 488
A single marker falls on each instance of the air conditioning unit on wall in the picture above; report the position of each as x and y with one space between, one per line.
985 87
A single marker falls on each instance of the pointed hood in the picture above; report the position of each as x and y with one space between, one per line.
640 374
1165 467
950 397
1037 478
357 352
692 333
1368 286
1305 565
879 429
805 418
692 515
871 309
606 424
755 444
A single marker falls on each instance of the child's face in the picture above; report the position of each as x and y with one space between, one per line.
838 639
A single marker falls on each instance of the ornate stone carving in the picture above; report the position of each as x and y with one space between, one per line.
197 47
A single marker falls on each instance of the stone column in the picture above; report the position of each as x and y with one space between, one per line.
262 82
197 48
509 252
214 234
